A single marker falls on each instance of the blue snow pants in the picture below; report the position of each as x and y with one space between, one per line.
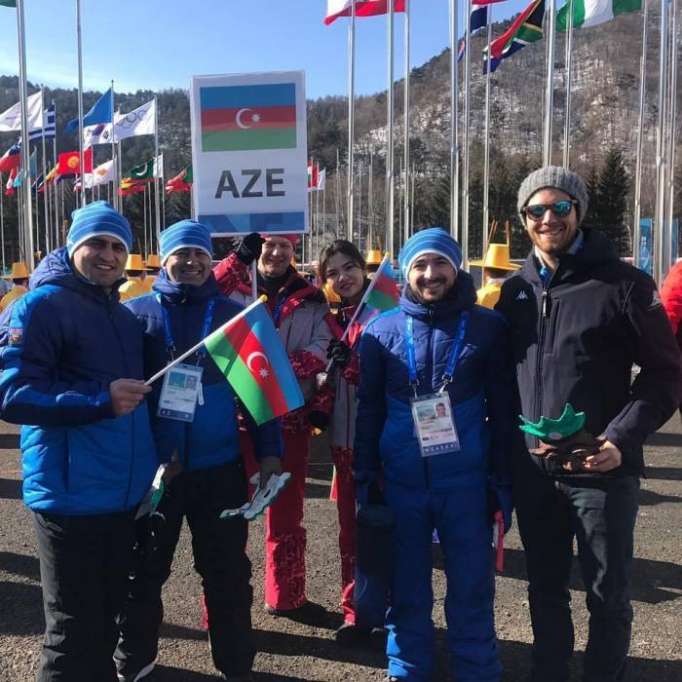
462 520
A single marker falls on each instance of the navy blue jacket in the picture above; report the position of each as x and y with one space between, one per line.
213 437
483 394
63 344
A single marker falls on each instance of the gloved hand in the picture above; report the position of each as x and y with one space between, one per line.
339 353
250 248
500 498
318 419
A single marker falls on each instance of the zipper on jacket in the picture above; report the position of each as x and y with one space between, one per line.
544 314
429 355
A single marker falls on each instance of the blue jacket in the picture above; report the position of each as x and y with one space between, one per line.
213 437
483 394
63 344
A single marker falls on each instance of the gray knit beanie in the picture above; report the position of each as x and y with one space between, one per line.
557 178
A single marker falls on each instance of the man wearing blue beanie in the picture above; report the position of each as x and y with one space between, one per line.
435 422
183 308
72 374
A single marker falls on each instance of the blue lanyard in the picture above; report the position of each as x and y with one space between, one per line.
455 351
168 333
277 312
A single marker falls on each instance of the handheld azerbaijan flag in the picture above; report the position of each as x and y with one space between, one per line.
249 352
382 294
248 117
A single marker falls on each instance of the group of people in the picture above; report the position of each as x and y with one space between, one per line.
421 405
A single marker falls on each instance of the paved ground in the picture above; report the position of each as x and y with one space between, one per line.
291 652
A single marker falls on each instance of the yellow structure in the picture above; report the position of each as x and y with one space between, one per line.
135 263
496 258
153 265
19 272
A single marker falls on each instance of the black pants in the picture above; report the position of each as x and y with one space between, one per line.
84 564
219 548
600 514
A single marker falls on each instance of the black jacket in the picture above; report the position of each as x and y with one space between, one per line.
577 339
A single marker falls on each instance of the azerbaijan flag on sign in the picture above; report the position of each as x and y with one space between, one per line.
249 352
248 117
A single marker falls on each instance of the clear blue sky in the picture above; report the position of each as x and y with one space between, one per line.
158 44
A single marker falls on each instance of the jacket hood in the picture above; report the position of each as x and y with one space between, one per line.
460 297
181 293
595 250
56 268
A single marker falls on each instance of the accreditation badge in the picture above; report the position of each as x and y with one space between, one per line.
435 424
180 393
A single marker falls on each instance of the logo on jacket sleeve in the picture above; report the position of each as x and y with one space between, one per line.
522 296
15 336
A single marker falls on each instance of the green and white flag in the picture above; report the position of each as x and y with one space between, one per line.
593 12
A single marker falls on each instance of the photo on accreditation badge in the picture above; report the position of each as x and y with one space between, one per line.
180 380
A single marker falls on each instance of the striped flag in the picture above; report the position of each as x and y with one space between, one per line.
477 20
382 294
49 126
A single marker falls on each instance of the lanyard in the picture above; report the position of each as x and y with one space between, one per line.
277 311
170 342
455 350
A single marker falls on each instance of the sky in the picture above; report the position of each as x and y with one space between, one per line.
158 44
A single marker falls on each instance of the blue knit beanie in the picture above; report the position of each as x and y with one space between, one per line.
97 218
431 240
187 234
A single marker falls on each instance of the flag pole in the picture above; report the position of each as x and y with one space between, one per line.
407 228
157 204
659 239
636 231
24 194
549 87
351 119
486 140
390 196
337 197
2 222
80 92
454 128
118 201
672 134
465 166
370 202
46 210
196 347
144 212
569 77
55 191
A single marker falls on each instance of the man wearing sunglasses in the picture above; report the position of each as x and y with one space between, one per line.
580 319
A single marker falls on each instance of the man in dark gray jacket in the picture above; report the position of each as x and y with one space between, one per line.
580 320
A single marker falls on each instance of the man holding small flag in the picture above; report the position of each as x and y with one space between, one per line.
183 310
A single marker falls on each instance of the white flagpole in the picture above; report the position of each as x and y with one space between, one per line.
46 209
144 211
390 196
672 136
118 201
360 172
636 232
2 222
55 190
454 127
659 227
24 194
337 197
407 228
569 77
157 203
465 165
370 202
351 119
486 139
80 94
549 87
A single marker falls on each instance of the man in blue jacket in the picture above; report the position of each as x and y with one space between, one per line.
435 420
185 307
72 375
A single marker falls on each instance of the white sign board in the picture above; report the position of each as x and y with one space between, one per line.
249 152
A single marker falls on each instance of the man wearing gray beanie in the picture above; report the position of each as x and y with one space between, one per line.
580 319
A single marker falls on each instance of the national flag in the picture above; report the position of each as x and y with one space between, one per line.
322 179
593 12
182 182
525 29
8 3
19 178
50 177
313 171
102 111
10 119
97 134
248 117
381 295
33 164
69 162
11 158
129 187
49 126
101 175
478 19
485 2
249 352
143 172
140 121
9 187
363 8
158 166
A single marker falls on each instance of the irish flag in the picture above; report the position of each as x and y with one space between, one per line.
249 352
382 294
593 12
248 117
363 8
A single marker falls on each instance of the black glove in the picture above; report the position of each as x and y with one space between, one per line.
250 248
320 420
339 353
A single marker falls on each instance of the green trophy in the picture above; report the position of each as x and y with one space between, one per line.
563 440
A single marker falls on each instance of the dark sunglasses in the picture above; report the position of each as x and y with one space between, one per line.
560 209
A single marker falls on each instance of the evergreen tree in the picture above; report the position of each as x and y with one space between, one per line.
612 195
